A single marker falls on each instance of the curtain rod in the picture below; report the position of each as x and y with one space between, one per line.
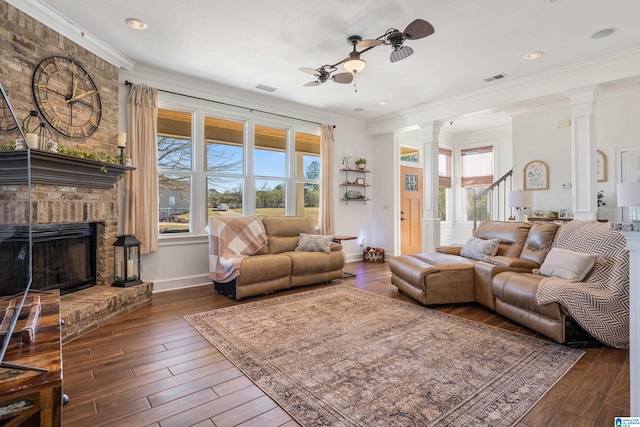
128 83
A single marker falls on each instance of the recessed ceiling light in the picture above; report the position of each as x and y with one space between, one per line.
603 33
358 110
534 55
136 23
383 102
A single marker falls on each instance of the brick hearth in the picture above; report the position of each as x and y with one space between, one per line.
88 309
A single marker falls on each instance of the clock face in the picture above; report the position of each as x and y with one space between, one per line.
67 97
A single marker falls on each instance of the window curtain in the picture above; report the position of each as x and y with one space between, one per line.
326 192
141 185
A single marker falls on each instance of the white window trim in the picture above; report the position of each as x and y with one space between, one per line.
198 204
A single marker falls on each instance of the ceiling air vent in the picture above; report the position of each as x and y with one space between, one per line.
266 88
496 77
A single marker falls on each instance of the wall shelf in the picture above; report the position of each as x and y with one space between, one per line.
361 175
58 169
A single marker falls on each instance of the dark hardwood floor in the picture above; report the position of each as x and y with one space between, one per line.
151 368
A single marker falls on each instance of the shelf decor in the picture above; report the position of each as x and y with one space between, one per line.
536 175
351 194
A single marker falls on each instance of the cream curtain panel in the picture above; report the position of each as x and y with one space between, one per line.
141 185
326 192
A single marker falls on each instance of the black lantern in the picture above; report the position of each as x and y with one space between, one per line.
126 268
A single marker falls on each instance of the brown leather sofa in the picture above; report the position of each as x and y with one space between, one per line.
445 277
279 266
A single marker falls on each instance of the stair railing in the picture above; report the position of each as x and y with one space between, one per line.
495 197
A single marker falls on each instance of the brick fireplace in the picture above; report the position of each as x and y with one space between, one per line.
28 41
92 200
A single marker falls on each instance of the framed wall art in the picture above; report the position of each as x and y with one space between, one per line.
536 175
601 166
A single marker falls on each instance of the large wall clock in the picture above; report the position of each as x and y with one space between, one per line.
7 122
67 97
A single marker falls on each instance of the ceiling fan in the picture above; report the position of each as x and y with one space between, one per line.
418 29
324 73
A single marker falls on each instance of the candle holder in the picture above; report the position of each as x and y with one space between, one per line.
121 155
39 136
126 266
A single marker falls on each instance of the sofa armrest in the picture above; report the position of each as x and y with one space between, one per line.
335 246
449 249
514 263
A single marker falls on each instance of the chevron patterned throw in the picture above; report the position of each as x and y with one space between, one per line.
600 304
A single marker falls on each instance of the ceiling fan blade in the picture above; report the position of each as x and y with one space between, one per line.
418 29
342 78
370 43
313 83
312 71
400 54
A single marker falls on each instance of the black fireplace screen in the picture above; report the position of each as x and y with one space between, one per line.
64 257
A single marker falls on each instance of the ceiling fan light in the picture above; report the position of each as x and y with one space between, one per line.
355 65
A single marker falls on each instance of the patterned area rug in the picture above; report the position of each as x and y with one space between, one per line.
340 356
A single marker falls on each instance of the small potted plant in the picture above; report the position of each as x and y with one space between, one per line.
362 163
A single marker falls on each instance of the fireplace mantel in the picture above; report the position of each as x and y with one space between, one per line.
58 169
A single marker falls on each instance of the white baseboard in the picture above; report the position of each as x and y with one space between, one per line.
181 283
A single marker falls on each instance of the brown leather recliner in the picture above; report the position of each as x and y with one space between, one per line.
279 266
445 277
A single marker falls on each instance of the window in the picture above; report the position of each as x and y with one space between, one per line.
270 162
175 150
409 154
224 141
476 170
209 165
308 167
444 181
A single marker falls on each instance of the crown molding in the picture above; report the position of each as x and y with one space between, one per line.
246 100
616 73
52 19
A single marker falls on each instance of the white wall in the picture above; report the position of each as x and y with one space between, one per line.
617 127
384 178
182 261
537 136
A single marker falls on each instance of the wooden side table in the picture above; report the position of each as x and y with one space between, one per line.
31 397
338 239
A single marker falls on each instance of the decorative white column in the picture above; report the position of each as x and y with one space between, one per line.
633 245
583 152
430 220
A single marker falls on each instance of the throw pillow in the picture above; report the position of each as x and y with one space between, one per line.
314 243
568 265
480 249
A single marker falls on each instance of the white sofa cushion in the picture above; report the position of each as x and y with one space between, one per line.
569 265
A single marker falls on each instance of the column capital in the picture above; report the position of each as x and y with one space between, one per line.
584 94
432 127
